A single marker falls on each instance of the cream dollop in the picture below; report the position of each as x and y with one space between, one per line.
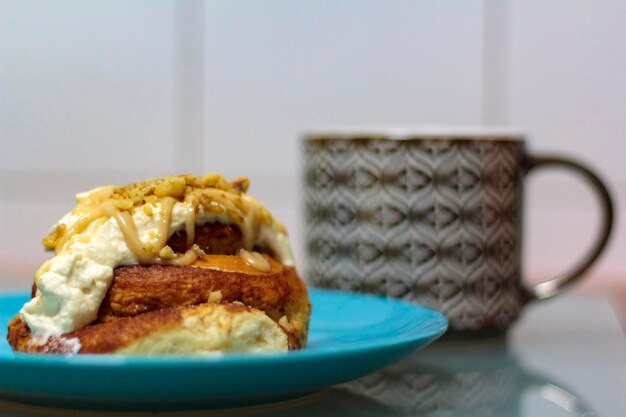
72 284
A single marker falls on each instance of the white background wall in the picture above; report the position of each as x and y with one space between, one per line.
567 86
117 91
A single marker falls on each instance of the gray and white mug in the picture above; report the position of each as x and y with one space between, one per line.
432 218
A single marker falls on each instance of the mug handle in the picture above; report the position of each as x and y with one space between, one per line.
556 285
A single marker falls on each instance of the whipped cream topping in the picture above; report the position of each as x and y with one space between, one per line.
99 236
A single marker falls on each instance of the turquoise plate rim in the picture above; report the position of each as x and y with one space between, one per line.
436 328
325 364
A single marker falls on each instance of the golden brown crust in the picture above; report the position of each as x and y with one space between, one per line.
138 289
95 338
18 335
144 299
112 336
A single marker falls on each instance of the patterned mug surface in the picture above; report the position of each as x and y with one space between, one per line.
434 220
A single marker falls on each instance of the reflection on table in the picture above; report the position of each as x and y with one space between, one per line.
465 379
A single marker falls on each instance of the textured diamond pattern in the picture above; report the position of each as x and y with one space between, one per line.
436 392
432 221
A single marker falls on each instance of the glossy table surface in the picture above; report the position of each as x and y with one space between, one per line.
564 357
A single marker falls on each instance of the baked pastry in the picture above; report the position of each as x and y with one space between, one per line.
172 265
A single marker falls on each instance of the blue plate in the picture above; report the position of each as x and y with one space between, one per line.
350 335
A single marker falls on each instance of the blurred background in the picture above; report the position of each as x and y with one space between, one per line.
115 91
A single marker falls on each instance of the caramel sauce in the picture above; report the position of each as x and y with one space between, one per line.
78 226
255 260
239 209
127 225
131 236
233 264
190 226
164 223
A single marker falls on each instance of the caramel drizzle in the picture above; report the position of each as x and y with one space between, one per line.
131 236
244 211
128 227
251 226
78 226
255 260
190 225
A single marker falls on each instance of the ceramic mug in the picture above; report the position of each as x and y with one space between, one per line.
433 218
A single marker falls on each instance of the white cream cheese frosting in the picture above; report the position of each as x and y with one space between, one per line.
116 226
